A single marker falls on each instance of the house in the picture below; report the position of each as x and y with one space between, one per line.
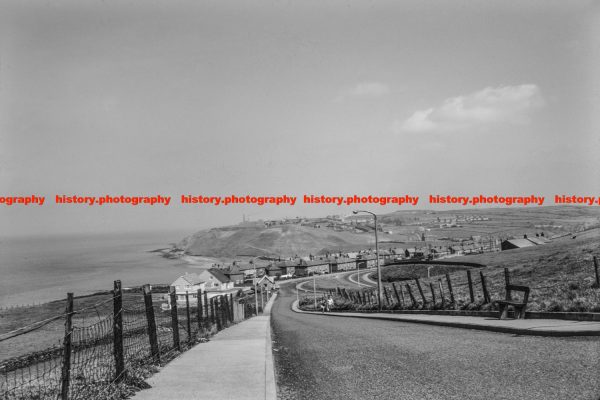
216 280
274 271
516 244
235 275
249 270
288 267
343 264
317 266
366 261
266 282
190 284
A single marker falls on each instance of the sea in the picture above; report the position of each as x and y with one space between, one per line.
39 269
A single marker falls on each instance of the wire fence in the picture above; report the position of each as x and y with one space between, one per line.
104 348
474 289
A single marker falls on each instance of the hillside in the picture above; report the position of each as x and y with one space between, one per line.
303 236
281 240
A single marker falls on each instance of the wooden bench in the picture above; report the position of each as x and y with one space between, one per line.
518 307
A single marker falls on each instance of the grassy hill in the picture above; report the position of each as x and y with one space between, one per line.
560 274
280 240
320 235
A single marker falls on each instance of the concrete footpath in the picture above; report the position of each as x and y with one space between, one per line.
237 363
536 327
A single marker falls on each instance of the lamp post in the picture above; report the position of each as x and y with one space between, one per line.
379 294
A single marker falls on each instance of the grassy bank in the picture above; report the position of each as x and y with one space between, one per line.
560 275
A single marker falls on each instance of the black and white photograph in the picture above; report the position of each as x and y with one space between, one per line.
299 199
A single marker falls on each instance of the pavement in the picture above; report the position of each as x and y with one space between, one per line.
333 358
237 363
536 327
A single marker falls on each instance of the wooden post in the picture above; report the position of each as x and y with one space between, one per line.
118 331
421 291
412 298
470 280
187 314
387 295
218 310
174 318
213 319
206 305
231 304
397 295
199 310
432 293
450 290
150 318
66 367
402 295
486 294
227 309
507 282
596 269
442 293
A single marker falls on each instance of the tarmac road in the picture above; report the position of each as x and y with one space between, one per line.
320 357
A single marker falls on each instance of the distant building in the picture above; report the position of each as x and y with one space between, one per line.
216 280
516 244
188 283
342 264
235 275
317 266
274 271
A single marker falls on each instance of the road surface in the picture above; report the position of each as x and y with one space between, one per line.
320 357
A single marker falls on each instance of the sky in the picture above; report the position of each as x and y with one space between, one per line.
290 97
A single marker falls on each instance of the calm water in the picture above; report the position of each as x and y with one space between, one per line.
41 269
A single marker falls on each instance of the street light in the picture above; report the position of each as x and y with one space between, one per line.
379 294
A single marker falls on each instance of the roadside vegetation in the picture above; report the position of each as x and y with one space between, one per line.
560 275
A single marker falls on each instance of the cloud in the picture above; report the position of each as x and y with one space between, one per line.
490 106
365 90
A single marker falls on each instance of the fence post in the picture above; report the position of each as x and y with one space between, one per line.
486 294
187 314
432 293
213 319
231 305
450 290
596 269
412 298
227 318
470 280
507 282
387 295
442 293
200 317
225 311
118 331
174 318
66 367
402 295
154 350
217 307
397 295
206 305
421 291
